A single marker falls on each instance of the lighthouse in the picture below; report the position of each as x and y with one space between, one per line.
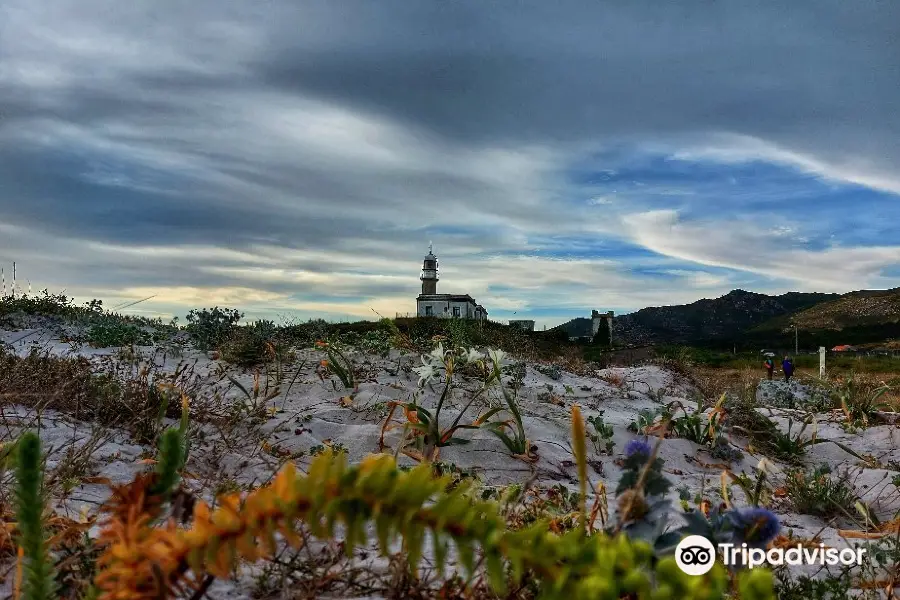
429 273
431 304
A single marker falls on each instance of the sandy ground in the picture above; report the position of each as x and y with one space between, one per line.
312 414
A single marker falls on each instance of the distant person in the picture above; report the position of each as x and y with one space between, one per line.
788 368
770 367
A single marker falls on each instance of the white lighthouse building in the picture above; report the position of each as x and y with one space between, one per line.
431 304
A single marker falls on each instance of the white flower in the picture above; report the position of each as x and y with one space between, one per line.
438 353
426 372
473 355
497 357
767 466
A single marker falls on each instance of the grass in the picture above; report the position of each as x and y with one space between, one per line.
819 493
804 363
861 399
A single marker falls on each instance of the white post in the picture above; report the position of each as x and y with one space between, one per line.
822 361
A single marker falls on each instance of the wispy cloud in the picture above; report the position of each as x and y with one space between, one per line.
298 157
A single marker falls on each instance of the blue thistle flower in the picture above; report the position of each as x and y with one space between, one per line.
756 526
638 447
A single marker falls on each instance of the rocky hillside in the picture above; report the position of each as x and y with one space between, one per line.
866 307
863 317
722 319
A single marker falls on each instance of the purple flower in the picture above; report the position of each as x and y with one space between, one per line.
638 447
756 526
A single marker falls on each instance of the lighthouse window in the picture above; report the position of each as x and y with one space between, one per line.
455 311
429 311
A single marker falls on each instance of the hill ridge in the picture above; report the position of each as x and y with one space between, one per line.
756 318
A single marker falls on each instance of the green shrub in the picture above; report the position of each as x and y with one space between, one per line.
251 345
306 334
111 333
377 342
44 304
861 402
210 327
699 427
818 493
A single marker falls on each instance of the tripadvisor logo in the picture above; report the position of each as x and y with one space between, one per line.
696 555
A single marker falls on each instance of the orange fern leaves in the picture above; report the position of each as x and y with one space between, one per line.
143 561
139 561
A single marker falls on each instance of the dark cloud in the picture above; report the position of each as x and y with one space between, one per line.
335 130
800 73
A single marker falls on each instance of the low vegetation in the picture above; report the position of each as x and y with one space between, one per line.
187 518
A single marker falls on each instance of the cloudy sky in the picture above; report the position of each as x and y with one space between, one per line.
296 157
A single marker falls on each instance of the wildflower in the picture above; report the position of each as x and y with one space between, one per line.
756 526
767 466
638 447
438 353
426 372
472 355
497 357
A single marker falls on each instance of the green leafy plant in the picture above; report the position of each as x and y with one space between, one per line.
257 396
697 426
411 505
378 342
804 587
112 333
428 436
43 303
757 492
210 327
39 573
512 435
792 447
339 364
174 448
251 345
817 493
602 436
646 419
642 508
860 404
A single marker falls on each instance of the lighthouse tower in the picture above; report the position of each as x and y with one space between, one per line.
429 273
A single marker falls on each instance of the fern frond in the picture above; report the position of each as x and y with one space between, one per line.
408 504
136 553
